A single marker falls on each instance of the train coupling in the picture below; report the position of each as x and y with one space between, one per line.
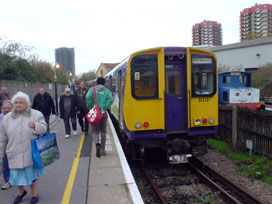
179 158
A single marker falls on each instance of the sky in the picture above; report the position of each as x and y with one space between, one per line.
107 31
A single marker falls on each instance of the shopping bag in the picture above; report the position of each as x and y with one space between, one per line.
47 148
36 155
94 116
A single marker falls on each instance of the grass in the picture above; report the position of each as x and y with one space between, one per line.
219 145
254 167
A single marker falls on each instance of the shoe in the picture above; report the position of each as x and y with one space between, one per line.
34 199
103 152
66 136
98 153
19 198
75 132
6 186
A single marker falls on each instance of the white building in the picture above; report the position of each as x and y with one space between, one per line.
248 55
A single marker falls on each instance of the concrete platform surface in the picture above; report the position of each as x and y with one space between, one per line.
109 179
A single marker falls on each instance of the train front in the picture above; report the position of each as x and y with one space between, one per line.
171 101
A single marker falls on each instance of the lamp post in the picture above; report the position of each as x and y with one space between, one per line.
57 66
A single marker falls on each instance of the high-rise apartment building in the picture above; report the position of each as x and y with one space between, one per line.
66 58
207 33
256 22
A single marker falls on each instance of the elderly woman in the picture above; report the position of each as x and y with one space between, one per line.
17 129
6 108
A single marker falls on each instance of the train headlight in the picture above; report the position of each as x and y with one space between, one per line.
138 125
197 121
211 120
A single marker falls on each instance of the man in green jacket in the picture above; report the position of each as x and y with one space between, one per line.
104 100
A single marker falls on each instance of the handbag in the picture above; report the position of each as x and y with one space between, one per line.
44 150
94 116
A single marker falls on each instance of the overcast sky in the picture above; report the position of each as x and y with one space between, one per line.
109 30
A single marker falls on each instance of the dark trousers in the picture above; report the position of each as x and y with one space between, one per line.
46 118
67 125
5 169
100 129
83 122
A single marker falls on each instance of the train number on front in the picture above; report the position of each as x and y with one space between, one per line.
203 99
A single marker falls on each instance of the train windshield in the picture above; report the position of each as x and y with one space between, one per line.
203 75
144 76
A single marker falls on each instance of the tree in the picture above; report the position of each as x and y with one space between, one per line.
88 76
13 49
262 77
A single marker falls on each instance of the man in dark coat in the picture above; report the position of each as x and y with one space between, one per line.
82 109
68 111
44 103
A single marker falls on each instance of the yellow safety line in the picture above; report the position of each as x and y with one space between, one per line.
70 183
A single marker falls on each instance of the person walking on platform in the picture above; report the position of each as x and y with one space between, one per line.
68 111
44 103
3 96
6 108
82 109
17 129
104 101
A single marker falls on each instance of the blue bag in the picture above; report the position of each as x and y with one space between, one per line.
37 164
44 150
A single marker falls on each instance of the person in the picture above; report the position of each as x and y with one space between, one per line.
6 108
44 103
3 96
68 111
104 100
82 109
17 129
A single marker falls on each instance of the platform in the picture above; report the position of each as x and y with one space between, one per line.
110 178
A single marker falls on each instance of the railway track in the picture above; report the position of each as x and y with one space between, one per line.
193 183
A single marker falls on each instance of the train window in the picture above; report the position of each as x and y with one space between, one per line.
173 82
203 75
227 79
144 83
144 76
243 79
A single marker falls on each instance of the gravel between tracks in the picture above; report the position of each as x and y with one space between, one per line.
228 168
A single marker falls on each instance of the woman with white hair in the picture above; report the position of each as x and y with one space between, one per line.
17 129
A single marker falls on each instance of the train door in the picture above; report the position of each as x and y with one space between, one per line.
175 93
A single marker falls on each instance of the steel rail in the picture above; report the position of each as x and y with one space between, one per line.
245 196
155 187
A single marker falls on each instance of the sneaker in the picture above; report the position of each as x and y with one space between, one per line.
103 152
75 132
66 136
98 152
6 186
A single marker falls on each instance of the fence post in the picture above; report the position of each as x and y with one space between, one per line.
234 126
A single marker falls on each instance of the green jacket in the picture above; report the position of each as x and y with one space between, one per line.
104 98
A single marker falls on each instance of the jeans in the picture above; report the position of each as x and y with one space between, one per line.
101 128
83 122
5 169
67 124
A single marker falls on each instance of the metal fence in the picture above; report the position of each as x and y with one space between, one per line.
241 125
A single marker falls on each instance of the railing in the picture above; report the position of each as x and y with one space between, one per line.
239 125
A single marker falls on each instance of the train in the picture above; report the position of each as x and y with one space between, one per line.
166 98
235 89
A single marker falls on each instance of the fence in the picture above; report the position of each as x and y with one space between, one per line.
31 88
239 125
